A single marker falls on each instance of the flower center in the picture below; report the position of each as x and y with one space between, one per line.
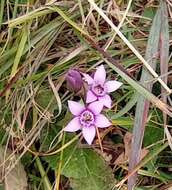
87 118
98 90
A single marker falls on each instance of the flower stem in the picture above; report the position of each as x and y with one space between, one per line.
58 173
98 135
46 182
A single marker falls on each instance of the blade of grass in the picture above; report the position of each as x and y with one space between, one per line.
18 55
46 182
120 24
43 173
56 94
127 107
2 12
81 10
151 174
59 166
28 16
19 52
15 8
164 45
164 53
142 108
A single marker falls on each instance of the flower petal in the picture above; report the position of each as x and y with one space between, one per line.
100 75
96 107
73 125
106 100
101 121
88 78
90 97
75 107
112 85
89 134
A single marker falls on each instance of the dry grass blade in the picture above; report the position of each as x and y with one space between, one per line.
169 138
164 48
142 108
54 89
164 44
164 53
120 24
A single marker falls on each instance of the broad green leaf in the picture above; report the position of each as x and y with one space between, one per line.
99 176
85 169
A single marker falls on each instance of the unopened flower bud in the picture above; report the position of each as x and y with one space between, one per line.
74 80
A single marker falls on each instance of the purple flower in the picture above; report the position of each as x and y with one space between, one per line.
99 88
87 118
74 80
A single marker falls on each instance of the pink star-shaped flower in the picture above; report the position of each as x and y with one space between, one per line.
99 88
87 118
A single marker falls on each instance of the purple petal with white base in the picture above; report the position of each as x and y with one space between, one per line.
88 79
101 121
75 107
100 75
112 85
89 133
73 125
106 100
87 118
98 87
90 97
96 107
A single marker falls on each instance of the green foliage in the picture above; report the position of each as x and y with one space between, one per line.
149 12
46 100
42 38
85 169
152 134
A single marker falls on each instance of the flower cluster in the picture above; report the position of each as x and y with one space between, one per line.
88 117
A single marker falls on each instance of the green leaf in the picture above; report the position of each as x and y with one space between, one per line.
153 133
85 169
45 98
149 12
